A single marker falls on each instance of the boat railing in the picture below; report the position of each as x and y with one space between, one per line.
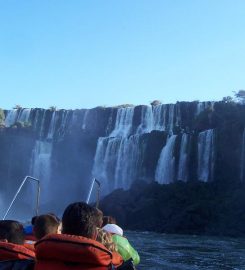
18 191
94 180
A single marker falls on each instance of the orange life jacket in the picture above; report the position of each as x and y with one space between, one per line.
30 237
9 251
65 252
29 245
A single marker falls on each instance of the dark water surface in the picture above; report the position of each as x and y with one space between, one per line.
184 252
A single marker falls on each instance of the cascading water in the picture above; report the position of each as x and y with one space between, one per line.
65 122
11 117
205 155
105 162
24 115
52 126
170 124
41 167
183 158
129 161
159 117
202 106
85 118
124 121
146 123
165 167
132 151
117 162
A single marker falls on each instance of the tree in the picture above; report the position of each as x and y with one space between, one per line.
2 117
156 102
17 106
240 96
228 99
52 108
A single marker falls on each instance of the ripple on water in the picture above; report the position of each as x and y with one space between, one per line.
181 252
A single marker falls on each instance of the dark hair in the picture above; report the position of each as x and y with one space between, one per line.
99 218
33 220
45 224
56 217
79 219
12 231
108 220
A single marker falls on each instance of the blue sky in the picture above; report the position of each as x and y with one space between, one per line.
85 53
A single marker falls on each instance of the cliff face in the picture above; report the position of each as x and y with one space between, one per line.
186 141
180 208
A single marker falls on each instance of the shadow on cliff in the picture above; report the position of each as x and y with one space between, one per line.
184 208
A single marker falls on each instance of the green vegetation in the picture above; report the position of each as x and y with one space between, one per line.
17 107
20 124
155 102
123 106
2 117
53 108
240 96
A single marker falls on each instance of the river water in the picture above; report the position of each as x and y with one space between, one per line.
184 252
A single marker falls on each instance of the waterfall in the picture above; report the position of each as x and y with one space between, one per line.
183 157
24 115
85 119
129 161
105 162
124 121
11 117
166 163
38 119
74 119
131 149
159 117
52 125
65 123
205 155
118 162
146 123
170 124
42 126
41 167
165 118
17 115
202 106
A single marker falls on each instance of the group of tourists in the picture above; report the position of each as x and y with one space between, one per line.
83 239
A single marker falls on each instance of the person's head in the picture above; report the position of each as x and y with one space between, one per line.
11 231
33 220
108 220
59 220
80 219
105 238
99 218
113 229
45 224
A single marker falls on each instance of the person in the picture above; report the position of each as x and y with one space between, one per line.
46 224
28 230
76 247
124 248
106 239
108 220
99 219
12 241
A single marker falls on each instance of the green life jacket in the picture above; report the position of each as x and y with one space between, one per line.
125 249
